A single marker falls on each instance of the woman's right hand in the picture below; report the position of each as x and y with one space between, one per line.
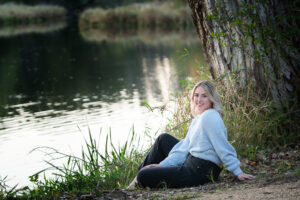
243 176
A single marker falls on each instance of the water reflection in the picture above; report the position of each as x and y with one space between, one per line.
160 77
153 38
12 31
54 84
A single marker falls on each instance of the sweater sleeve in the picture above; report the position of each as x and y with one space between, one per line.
177 155
215 129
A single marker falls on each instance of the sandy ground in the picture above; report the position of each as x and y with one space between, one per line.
274 187
273 191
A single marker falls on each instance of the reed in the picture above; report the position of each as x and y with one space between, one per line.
25 14
254 121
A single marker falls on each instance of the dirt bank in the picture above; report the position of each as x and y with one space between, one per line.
287 188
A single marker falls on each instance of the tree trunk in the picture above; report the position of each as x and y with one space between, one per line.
257 40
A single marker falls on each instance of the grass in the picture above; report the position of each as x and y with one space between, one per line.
11 14
93 173
5 191
253 121
152 16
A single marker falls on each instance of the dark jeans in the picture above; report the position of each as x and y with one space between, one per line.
193 172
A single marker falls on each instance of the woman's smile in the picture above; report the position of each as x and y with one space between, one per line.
201 100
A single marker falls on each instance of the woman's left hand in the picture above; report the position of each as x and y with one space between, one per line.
243 176
152 165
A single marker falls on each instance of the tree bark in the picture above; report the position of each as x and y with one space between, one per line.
278 71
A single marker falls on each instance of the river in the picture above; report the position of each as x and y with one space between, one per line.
58 83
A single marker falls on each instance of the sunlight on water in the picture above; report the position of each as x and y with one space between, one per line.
66 134
65 130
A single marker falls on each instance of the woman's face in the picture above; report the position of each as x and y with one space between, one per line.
201 100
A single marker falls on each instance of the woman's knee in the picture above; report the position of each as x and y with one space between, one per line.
142 177
164 136
152 178
166 139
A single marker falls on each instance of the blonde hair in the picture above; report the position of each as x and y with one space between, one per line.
212 94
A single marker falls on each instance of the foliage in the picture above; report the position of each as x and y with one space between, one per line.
137 16
263 33
265 37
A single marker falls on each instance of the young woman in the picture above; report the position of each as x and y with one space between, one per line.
198 158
